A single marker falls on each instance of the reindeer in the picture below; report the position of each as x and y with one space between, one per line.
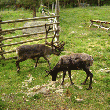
25 52
75 61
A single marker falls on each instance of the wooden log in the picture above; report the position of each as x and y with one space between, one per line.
105 28
101 24
103 21
96 25
107 23
91 23
102 27
27 19
97 21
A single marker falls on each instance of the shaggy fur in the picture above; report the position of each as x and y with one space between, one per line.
75 61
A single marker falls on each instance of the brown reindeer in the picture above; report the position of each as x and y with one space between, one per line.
25 52
75 61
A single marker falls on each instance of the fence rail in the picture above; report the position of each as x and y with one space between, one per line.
28 19
3 39
24 35
21 42
20 28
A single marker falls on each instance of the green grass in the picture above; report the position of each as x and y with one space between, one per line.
79 38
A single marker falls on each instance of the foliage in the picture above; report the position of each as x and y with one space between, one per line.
42 8
63 3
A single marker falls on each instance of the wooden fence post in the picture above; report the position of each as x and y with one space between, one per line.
57 19
1 37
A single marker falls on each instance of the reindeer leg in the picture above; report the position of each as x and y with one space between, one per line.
47 61
91 75
69 72
64 73
85 79
36 62
88 74
17 63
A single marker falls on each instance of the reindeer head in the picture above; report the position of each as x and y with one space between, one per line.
53 74
59 47
56 49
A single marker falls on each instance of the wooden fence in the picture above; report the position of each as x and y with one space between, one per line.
3 44
100 24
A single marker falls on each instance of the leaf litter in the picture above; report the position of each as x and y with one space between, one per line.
47 88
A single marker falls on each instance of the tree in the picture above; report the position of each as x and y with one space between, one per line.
79 1
98 2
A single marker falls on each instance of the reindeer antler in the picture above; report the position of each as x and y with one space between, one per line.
47 31
59 46
53 39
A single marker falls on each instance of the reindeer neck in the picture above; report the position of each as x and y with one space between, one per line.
56 68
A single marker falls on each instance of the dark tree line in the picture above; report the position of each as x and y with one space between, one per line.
29 4
73 3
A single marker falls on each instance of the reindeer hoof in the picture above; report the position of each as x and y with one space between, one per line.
83 83
72 83
18 70
35 66
49 63
89 88
62 83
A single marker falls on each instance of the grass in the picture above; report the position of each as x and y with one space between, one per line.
79 38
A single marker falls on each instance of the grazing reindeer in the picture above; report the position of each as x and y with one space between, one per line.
25 52
75 61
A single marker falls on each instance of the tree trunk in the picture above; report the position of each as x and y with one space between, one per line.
98 2
34 8
48 5
79 1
